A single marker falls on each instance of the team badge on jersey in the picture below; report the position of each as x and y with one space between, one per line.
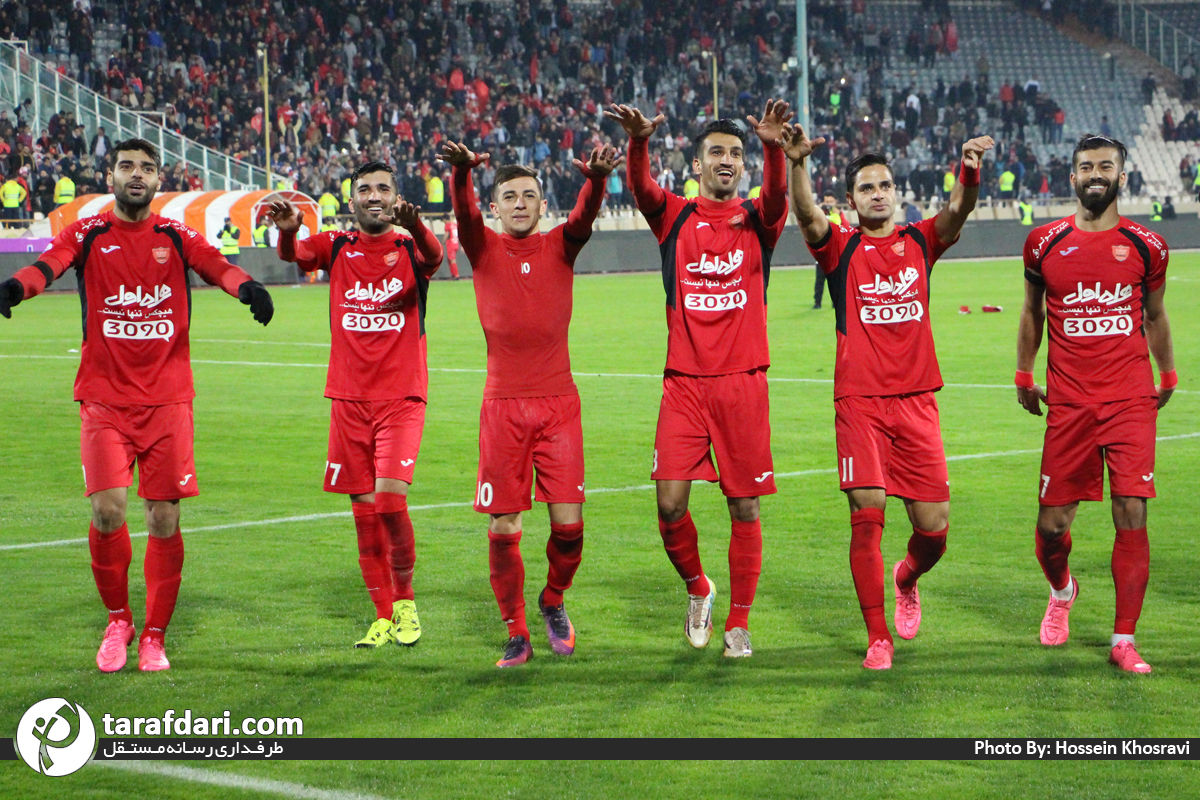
898 248
1120 251
391 258
736 221
161 254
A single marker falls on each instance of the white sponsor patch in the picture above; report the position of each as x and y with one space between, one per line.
138 296
1098 294
895 285
385 291
373 322
715 265
122 329
1099 326
715 302
886 315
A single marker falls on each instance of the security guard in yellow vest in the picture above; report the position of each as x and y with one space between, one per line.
1008 179
691 188
260 233
64 191
755 193
346 192
12 194
435 190
947 184
329 205
229 241
834 215
328 225
1155 210
1026 212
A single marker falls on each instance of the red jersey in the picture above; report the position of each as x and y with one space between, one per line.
137 303
377 291
880 293
523 291
716 262
1097 286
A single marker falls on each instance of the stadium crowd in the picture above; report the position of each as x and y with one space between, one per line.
525 81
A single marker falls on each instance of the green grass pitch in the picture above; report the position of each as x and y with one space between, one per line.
268 612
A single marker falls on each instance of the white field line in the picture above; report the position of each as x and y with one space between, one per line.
644 487
234 781
655 375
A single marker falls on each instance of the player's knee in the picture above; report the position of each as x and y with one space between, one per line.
743 509
1129 512
108 513
671 509
162 517
1053 526
505 524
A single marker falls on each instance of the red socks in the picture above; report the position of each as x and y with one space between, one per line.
866 565
925 548
680 542
564 551
111 554
745 565
163 568
507 572
1131 573
371 558
392 509
1052 555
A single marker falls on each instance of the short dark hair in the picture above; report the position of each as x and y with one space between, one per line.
511 172
139 145
859 164
727 126
372 166
1094 141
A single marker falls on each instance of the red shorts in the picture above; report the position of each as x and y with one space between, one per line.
518 435
1080 440
372 439
893 443
730 413
158 438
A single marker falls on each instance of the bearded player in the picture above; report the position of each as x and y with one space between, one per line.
378 381
530 415
716 259
1099 280
889 439
134 385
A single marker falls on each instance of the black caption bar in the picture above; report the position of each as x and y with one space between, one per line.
1007 749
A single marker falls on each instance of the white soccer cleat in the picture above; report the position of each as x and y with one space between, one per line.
737 643
697 625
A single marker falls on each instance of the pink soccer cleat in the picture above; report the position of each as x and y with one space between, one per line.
117 636
1054 625
908 607
1126 657
152 656
879 655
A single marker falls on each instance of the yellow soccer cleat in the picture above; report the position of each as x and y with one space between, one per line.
406 624
381 632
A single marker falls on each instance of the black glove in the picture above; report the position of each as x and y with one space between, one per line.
12 292
255 295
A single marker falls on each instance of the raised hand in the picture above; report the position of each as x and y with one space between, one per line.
775 115
404 214
635 123
602 161
457 154
973 150
796 144
287 217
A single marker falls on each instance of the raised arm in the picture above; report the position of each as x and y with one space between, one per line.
1158 338
797 147
602 162
1029 340
288 220
770 130
471 230
953 216
649 196
428 248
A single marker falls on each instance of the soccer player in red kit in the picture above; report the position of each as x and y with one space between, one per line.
716 259
889 439
452 247
134 385
377 381
530 413
1098 280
